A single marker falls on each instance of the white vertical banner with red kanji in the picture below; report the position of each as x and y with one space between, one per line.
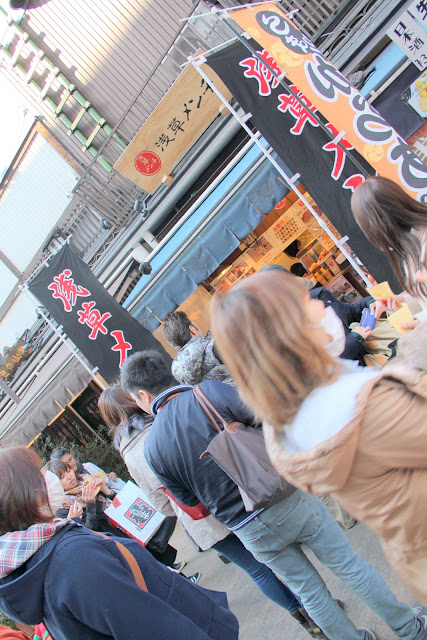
102 330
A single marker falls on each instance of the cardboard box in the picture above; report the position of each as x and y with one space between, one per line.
132 511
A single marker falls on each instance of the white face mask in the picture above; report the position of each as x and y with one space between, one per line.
333 326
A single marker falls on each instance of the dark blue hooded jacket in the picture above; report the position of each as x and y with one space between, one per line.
81 586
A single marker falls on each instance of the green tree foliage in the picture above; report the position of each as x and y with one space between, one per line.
4 620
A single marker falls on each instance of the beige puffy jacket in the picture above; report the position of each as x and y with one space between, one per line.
375 467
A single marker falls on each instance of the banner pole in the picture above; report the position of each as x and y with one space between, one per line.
93 372
45 262
197 62
215 10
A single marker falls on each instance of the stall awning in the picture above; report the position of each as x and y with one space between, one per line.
62 378
217 226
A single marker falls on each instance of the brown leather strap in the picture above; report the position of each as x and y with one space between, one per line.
209 409
133 565
200 397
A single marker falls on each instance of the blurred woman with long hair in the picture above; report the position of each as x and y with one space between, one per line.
397 224
331 427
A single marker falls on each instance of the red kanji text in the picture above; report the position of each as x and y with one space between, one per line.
302 113
256 69
92 318
121 346
339 160
65 289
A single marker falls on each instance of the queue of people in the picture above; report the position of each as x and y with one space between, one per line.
279 361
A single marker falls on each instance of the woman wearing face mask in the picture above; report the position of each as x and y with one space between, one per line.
331 427
346 343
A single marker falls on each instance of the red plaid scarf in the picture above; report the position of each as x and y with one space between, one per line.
18 546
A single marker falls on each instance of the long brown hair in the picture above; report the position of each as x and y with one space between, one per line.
116 406
261 333
23 491
388 216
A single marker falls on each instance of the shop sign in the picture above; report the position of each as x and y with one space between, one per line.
12 359
419 10
170 131
328 92
104 332
299 134
410 36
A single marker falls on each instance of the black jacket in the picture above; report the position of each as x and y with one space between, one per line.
94 518
347 313
179 435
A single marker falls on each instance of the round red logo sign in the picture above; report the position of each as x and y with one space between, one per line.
147 163
281 204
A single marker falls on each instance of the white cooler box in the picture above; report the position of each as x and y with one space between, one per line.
132 511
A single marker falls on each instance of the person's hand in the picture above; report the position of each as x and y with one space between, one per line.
105 489
88 492
411 324
362 331
75 511
377 308
394 304
421 277
112 476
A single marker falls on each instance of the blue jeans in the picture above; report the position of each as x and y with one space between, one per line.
274 537
264 578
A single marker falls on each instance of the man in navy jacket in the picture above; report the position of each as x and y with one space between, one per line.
82 587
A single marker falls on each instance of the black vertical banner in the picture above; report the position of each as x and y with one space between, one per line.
103 331
326 171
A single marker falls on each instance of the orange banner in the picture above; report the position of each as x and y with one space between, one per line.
332 94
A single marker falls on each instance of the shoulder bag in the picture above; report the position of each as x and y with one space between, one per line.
240 452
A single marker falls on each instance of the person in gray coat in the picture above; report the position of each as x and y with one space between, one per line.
196 360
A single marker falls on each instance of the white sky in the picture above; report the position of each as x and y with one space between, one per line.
16 117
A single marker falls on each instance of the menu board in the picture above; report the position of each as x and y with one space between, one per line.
341 288
416 95
261 250
243 267
285 230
